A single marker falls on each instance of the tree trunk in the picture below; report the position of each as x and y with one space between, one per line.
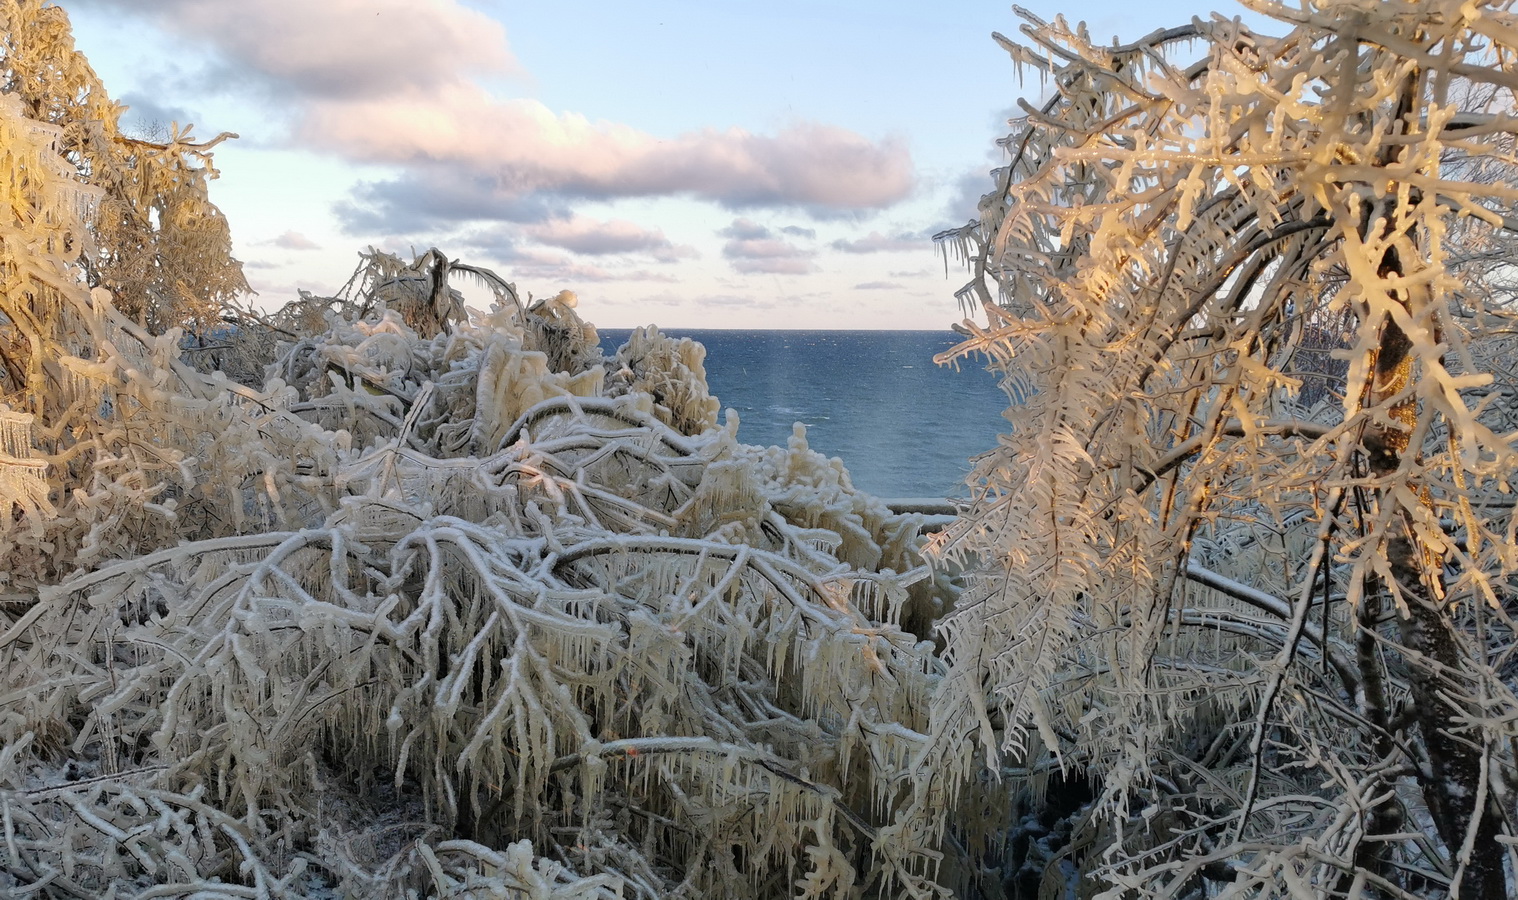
1451 781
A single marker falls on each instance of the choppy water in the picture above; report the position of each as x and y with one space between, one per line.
904 426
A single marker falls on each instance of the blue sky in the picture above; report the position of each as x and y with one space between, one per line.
691 164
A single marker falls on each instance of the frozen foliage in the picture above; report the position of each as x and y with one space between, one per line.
1246 559
508 630
419 602
672 372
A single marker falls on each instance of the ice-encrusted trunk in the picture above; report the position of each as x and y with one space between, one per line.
1451 778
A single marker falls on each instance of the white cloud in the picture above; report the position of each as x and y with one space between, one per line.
340 48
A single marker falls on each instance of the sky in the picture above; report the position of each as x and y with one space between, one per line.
686 163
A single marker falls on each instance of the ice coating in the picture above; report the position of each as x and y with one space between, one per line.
423 611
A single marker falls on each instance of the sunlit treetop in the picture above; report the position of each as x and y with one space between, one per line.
152 236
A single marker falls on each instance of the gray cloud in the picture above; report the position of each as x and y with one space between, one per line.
875 242
500 244
798 231
762 248
731 301
774 266
965 203
431 196
734 301
744 230
877 286
539 266
150 120
571 273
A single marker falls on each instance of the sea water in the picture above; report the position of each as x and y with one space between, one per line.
903 425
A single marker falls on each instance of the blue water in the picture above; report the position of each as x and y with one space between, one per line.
904 426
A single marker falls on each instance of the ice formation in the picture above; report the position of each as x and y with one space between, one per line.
442 608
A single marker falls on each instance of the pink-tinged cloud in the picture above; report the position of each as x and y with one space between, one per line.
346 49
764 255
875 242
574 273
522 147
596 238
293 240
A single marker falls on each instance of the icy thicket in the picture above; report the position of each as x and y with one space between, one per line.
424 612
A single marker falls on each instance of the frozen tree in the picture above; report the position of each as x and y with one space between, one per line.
153 238
1246 559
90 209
